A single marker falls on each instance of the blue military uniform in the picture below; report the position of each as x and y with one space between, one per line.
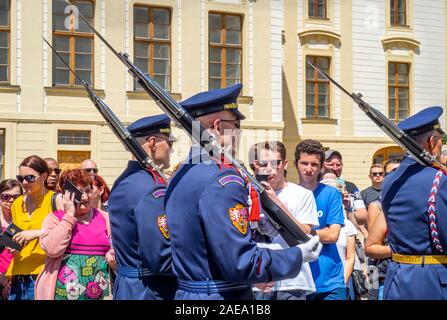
214 255
417 229
139 230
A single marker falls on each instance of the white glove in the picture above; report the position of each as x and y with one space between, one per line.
311 249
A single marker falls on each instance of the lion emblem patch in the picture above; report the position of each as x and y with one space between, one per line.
239 218
163 225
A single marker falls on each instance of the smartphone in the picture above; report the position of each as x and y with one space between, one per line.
341 184
6 237
70 187
262 177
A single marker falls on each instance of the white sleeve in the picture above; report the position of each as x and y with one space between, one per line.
350 229
306 209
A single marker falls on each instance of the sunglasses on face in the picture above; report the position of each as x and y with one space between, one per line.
237 122
56 171
29 178
91 170
377 174
7 197
170 140
273 163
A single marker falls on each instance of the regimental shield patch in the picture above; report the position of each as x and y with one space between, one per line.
239 218
163 225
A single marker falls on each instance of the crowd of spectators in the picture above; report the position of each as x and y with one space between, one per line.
59 247
64 249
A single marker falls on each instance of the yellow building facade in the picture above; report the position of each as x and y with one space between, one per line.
196 45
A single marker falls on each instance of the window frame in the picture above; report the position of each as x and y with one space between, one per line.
315 7
396 87
317 81
73 136
150 41
395 6
224 46
72 36
7 30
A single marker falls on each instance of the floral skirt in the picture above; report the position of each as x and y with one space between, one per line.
82 277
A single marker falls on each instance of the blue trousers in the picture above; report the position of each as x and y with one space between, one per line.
22 288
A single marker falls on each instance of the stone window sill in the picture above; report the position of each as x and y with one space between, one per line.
77 91
319 121
8 88
142 95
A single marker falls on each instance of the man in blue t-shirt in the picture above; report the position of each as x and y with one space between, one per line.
327 271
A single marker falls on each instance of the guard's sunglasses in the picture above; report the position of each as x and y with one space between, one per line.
236 122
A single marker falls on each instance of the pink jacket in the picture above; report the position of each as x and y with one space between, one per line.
54 239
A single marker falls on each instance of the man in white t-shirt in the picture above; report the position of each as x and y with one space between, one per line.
270 161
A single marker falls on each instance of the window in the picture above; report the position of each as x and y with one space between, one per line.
75 137
152 41
4 39
388 153
398 13
317 88
317 9
73 40
398 90
225 50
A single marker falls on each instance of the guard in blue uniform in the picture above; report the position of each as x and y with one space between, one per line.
214 255
138 220
414 200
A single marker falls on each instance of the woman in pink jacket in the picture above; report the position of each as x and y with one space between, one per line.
76 241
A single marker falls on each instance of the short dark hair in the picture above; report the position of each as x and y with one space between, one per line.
36 163
376 165
310 146
274 146
9 184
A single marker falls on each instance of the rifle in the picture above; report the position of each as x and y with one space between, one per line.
285 224
117 127
399 136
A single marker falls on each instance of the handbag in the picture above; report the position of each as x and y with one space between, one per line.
359 282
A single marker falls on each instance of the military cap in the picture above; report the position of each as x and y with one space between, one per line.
330 153
212 101
422 122
150 125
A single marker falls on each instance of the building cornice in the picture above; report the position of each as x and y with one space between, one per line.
319 35
400 42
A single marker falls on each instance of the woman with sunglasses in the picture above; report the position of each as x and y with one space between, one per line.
9 191
28 213
76 241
